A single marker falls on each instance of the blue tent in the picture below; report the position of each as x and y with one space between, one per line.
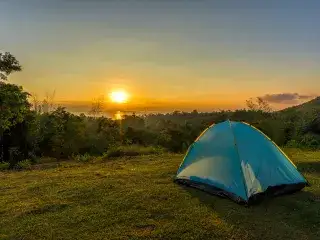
236 160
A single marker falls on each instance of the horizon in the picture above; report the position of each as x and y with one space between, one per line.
167 55
78 108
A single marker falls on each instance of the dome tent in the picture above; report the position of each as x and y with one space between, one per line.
236 160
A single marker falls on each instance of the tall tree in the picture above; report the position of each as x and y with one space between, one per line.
14 104
12 97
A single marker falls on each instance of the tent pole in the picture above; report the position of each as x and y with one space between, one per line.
236 147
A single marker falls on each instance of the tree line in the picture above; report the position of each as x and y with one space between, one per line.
30 131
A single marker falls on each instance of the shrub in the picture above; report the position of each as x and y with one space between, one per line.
4 166
25 164
311 141
82 158
293 144
133 150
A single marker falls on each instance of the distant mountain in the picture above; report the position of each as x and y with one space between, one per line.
311 106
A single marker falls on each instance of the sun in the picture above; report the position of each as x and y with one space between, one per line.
119 96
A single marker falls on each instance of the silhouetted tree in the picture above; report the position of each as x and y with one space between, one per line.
8 65
97 106
14 105
258 104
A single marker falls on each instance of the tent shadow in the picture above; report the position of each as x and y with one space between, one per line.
299 209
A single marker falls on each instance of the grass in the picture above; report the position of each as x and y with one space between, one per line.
25 164
4 166
82 158
133 150
136 199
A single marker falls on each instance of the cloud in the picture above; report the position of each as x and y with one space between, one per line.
286 97
306 96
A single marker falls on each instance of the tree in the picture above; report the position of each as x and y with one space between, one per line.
258 104
35 103
48 102
313 126
14 105
194 112
97 106
13 100
44 106
8 65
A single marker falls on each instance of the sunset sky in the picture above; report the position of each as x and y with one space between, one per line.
166 54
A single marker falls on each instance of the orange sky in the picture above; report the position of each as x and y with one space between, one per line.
166 55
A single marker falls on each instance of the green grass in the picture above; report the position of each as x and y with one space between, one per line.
4 166
25 164
135 198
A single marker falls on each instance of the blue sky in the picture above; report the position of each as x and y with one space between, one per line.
204 54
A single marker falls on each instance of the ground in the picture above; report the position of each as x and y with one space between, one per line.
135 198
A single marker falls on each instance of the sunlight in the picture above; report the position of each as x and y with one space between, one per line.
118 116
119 96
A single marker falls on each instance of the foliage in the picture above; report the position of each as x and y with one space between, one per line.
60 134
24 164
45 106
132 150
14 105
8 65
40 129
63 134
4 166
314 125
82 158
258 104
311 141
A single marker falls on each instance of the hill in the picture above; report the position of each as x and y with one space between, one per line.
310 106
135 198
306 115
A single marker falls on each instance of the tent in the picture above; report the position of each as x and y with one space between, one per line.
236 160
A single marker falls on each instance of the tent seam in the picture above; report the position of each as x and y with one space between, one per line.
203 132
285 155
277 147
236 147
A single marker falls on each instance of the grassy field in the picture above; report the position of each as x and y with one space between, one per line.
135 198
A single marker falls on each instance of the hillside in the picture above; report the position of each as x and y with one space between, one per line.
307 115
310 106
136 199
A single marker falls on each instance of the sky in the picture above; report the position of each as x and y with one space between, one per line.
168 55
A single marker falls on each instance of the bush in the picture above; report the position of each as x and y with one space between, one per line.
133 150
4 166
82 158
311 141
293 144
25 164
